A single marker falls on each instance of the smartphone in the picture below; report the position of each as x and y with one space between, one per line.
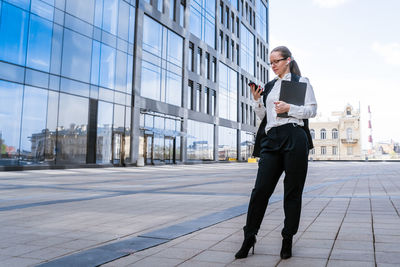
252 83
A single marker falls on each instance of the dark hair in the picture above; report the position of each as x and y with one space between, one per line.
285 53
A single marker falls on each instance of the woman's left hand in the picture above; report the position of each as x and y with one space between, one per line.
281 107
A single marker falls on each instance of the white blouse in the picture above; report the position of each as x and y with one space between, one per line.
296 113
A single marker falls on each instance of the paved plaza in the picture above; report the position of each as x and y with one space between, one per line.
192 215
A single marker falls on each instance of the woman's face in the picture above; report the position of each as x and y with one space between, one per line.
280 65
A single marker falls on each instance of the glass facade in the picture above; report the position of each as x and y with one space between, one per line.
65 67
228 93
262 20
227 143
200 141
247 50
162 63
202 20
108 82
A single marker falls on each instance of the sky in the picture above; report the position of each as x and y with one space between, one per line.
350 51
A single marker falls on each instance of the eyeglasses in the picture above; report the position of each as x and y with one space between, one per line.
277 61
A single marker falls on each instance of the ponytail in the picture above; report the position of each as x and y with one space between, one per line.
285 53
294 68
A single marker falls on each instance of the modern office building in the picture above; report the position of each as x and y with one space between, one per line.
129 82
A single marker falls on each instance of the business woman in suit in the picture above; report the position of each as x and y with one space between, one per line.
282 145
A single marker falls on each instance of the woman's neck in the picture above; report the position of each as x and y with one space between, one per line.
283 74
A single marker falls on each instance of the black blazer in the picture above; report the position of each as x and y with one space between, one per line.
261 130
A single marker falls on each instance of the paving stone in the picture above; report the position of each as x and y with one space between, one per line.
348 263
352 255
302 262
388 257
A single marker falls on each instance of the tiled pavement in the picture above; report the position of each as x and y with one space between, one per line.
192 215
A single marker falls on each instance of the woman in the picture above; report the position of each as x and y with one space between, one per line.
282 145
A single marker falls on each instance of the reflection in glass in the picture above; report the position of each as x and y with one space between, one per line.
261 20
110 15
51 134
247 49
107 66
76 60
42 9
246 145
202 17
104 132
227 93
72 129
33 129
81 9
13 32
127 142
10 121
200 141
161 80
227 143
39 43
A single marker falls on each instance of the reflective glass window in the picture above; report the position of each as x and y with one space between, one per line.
131 24
123 20
76 60
42 9
200 141
175 48
104 132
72 129
10 121
120 73
39 43
81 9
227 143
21 3
13 32
95 63
162 63
33 128
247 50
51 126
98 13
110 15
261 20
107 66
152 36
202 20
227 92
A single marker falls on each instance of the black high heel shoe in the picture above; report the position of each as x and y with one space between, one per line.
248 243
286 251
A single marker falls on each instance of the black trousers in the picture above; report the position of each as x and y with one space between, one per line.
284 148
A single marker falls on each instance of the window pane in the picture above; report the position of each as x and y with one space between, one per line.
121 65
173 89
13 32
152 36
107 66
72 129
10 119
123 20
52 115
39 43
104 131
77 52
81 9
175 48
33 133
151 81
110 15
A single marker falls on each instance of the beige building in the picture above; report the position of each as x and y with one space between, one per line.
337 139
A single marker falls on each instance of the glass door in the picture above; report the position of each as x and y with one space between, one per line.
169 150
148 149
118 149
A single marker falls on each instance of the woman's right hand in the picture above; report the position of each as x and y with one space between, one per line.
256 92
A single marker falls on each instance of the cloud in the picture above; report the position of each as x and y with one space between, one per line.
329 3
390 52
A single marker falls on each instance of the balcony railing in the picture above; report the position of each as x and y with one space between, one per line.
349 141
